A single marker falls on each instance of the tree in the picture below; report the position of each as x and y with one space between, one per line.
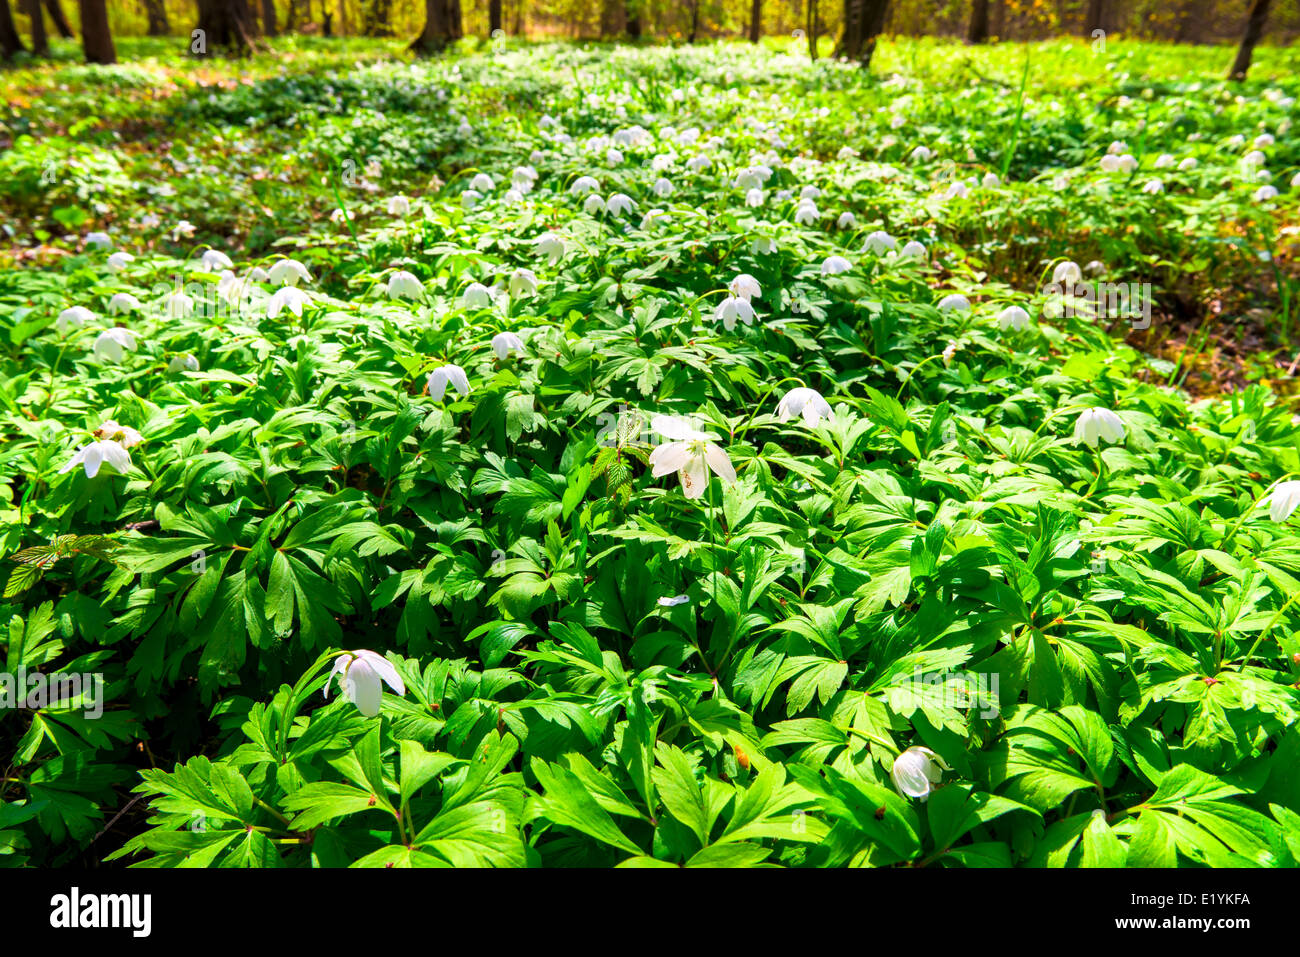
632 16
695 20
1093 17
224 24
441 27
268 18
40 42
812 29
1255 21
10 43
864 21
156 12
494 16
58 19
96 38
755 20
979 22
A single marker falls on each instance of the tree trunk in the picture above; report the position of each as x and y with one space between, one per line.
609 11
224 24
96 39
695 20
811 29
60 22
864 21
494 16
755 20
979 22
156 12
1254 30
438 30
632 16
269 28
10 43
40 42
1092 19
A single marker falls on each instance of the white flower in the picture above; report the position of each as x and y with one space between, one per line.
653 216
441 376
399 206
810 192
921 154
690 453
523 178
112 344
584 184
954 302
1128 163
1013 317
1264 139
763 246
289 298
183 228
551 246
258 274
733 308
512 197
990 181
1095 424
614 157
847 153
807 403
1153 186
915 774
913 250
469 199
185 363
1117 147
619 204
697 163
287 272
957 190
662 187
754 197
672 602
403 285
95 454
745 287
362 672
880 242
481 183
1265 193
1283 501
834 265
1295 180
214 260
122 302
1095 267
805 214
1110 163
1164 161
1188 164
74 317
99 240
846 221
593 205
119 261
752 177
523 282
1067 273
178 305
475 296
1254 158
503 343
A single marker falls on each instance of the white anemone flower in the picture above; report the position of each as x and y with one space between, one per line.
1254 158
1067 273
619 204
123 302
662 187
504 343
523 178
469 198
689 453
551 246
1265 193
745 287
1013 317
834 265
1095 425
913 250
593 205
916 771
990 181
1264 139
289 298
847 153
287 272
399 206
74 317
672 602
763 246
1153 186
810 192
439 378
584 184
481 183
475 296
846 221
119 261
1283 501
113 344
183 228
807 403
185 363
99 240
363 675
954 302
958 190
403 285
1164 161
523 282
178 305
1110 163
614 156
880 242
214 260
512 197
96 454
805 214
1188 164
755 197
921 154
733 308
654 216
697 163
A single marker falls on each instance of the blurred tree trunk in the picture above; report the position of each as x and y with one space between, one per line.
609 11
1093 17
755 20
695 19
291 16
810 28
156 12
494 16
1250 36
96 38
632 14
441 27
979 22
864 21
999 25
40 42
269 28
224 23
10 43
60 21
